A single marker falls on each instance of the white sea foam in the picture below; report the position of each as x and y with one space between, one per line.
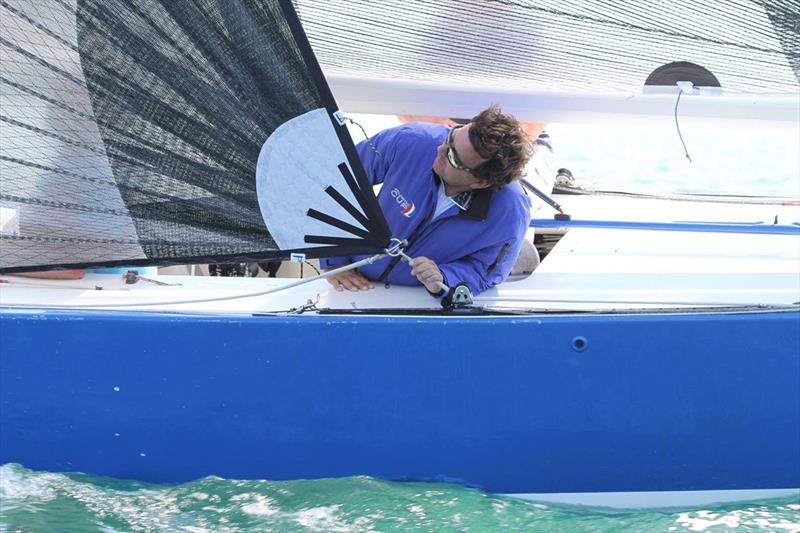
322 519
17 483
702 520
499 506
260 506
417 510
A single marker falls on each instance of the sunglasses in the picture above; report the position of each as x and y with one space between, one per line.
452 156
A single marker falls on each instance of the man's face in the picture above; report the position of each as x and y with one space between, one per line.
453 159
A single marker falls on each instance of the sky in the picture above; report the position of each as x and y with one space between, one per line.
752 158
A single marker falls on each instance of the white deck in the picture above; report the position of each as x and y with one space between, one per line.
625 269
589 269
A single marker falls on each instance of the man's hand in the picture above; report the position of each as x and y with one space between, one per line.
427 273
352 280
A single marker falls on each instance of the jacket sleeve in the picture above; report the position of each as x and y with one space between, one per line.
491 265
376 166
484 268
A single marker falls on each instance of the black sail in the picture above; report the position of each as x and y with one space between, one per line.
133 132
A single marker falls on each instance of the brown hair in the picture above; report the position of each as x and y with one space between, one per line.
501 139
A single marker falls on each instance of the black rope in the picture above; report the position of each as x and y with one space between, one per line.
678 127
366 137
309 264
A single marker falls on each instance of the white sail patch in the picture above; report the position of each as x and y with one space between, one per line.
296 164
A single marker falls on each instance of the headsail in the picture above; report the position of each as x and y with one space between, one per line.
132 129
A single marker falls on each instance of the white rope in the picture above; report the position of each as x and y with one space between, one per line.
391 251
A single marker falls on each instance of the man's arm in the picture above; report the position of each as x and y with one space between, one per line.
481 270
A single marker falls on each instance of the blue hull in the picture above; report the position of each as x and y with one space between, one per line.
651 402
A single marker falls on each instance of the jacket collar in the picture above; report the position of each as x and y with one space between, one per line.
478 207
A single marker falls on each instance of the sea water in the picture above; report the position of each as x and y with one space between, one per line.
744 160
42 502
724 158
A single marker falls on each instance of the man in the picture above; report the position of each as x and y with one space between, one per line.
452 194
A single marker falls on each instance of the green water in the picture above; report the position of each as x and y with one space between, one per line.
42 502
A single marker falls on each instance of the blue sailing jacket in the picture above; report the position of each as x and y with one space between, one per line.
478 246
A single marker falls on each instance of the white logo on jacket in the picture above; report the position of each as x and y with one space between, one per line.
406 206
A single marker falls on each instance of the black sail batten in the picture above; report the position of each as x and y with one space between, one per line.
357 244
137 130
335 222
365 201
350 208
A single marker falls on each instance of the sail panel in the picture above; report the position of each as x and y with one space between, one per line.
591 47
132 131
